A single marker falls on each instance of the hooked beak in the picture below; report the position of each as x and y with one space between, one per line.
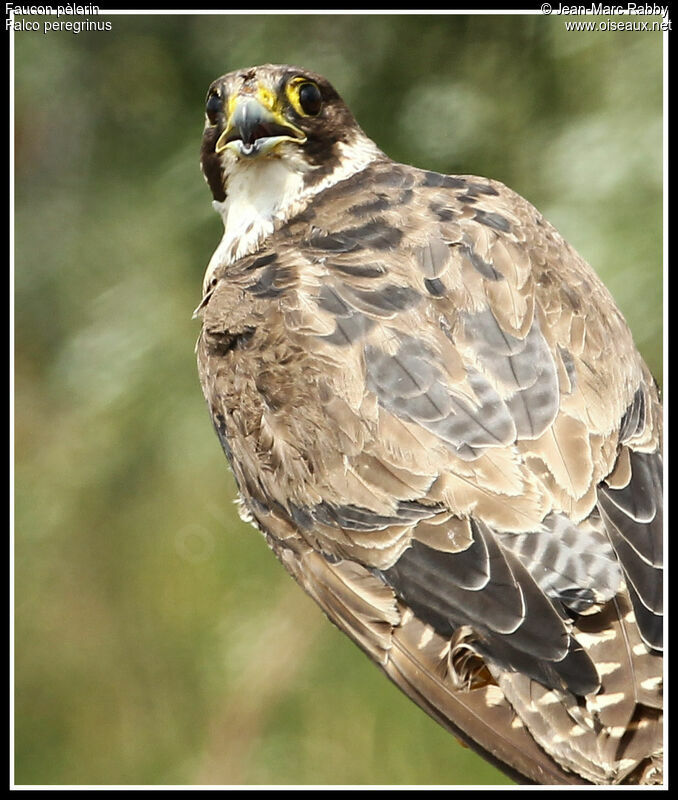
254 130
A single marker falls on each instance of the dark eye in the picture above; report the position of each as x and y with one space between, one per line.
213 108
310 99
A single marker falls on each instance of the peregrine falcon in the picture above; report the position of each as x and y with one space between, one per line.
436 416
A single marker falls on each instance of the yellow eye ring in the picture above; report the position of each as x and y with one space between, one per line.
305 97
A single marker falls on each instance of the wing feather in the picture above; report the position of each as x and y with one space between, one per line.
441 422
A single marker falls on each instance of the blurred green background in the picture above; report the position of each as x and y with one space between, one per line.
157 640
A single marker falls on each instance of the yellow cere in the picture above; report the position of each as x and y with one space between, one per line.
269 99
265 96
231 106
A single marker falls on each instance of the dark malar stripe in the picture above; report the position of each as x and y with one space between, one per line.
211 164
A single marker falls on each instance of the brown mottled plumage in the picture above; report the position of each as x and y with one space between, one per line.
436 415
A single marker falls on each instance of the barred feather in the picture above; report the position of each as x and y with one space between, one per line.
437 417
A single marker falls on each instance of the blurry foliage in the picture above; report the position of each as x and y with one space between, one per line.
157 639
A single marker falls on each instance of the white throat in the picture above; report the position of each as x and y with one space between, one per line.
264 192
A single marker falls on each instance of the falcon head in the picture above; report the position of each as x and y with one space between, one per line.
277 114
